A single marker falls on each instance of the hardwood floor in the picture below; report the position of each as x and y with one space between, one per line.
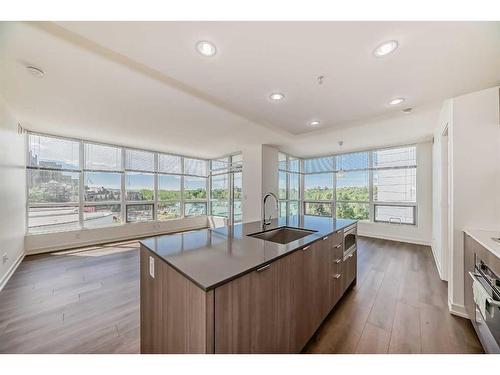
88 302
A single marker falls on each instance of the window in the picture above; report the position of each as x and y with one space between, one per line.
98 216
318 187
74 184
378 185
139 212
288 185
226 187
395 185
103 173
318 209
53 174
352 194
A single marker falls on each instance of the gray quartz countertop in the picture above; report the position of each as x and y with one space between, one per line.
212 257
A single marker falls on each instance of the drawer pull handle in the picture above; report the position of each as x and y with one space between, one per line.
305 248
338 246
337 276
351 255
338 261
263 268
325 238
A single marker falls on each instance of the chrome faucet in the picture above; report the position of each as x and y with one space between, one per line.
264 222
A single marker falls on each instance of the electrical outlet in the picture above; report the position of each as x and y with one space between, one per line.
5 258
152 267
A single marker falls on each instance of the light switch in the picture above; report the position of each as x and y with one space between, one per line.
152 267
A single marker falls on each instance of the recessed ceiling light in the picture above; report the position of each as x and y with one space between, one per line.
277 96
396 101
386 48
206 48
314 123
34 71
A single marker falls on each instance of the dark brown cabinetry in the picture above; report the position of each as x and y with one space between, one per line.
273 309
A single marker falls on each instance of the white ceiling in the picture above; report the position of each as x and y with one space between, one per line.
143 84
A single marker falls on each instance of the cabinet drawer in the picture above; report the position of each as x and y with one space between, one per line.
337 238
337 251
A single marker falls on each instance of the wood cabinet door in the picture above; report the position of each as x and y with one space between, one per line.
321 272
290 303
349 269
246 313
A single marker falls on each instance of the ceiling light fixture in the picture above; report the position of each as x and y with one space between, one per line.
206 48
407 110
277 96
396 101
314 123
386 48
34 71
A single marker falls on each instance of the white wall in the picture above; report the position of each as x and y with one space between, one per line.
422 232
12 193
475 177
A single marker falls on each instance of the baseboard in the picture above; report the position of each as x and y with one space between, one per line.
458 310
11 270
438 264
108 240
395 238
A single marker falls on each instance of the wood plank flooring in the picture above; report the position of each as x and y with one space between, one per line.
87 301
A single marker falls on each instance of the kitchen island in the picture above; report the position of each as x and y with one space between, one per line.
223 291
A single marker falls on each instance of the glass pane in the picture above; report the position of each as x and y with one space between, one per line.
52 186
318 209
356 160
101 216
168 210
395 157
293 206
220 165
169 163
282 185
220 208
355 211
52 152
324 164
139 212
220 187
195 208
294 181
395 185
139 186
238 185
140 160
101 157
237 211
52 219
293 164
318 186
282 161
102 186
353 186
282 207
395 214
195 167
169 187
195 188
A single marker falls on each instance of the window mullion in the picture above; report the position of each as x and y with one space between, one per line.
81 189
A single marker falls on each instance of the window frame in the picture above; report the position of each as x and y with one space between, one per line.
371 202
123 202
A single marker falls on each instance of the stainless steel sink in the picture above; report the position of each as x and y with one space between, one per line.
282 235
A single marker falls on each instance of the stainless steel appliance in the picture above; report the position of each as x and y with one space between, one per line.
488 325
349 240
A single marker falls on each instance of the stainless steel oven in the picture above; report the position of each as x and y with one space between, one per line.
489 324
